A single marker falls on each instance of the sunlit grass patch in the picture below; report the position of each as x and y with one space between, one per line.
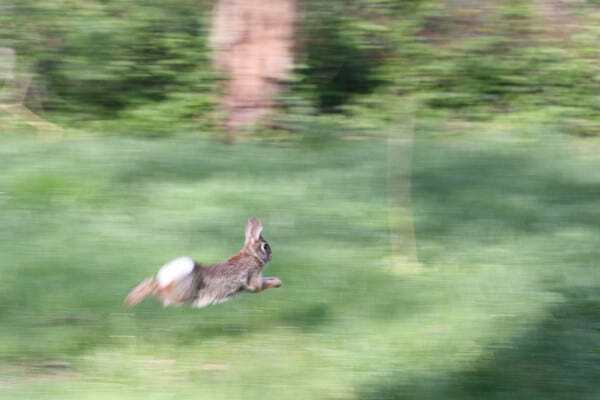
505 242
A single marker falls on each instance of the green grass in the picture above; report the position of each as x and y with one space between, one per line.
504 304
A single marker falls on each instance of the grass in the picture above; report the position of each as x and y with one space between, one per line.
504 304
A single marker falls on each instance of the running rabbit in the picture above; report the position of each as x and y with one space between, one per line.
184 281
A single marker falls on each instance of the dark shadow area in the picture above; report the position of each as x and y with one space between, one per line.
557 359
307 318
476 195
338 62
538 213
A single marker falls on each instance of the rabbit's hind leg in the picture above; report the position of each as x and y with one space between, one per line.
168 295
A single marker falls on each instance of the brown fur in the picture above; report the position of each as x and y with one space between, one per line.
147 287
242 272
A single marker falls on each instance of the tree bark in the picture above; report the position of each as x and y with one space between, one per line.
13 92
253 48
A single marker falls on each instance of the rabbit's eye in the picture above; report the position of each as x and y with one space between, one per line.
265 247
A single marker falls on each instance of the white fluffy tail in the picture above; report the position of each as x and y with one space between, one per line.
145 288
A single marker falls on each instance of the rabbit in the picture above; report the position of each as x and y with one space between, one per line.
185 281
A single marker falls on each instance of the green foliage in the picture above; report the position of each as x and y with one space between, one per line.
98 58
143 67
339 59
509 61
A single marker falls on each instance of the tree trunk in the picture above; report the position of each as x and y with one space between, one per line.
400 143
253 44
14 88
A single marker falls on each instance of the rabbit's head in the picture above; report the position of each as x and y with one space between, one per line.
255 244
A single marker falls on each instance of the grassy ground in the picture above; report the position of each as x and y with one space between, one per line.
504 305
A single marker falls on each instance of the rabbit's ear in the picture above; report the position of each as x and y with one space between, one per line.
253 230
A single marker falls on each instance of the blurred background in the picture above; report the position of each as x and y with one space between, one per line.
426 171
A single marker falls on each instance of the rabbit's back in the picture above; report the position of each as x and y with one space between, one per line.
223 281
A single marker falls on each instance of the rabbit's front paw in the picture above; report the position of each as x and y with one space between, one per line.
271 282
